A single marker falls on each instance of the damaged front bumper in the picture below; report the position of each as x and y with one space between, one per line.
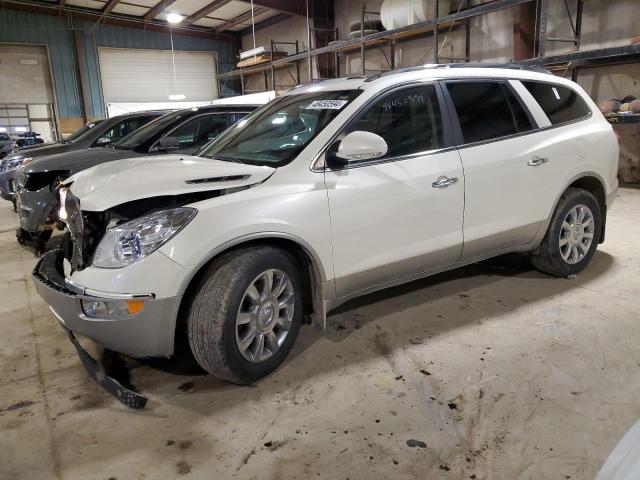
7 185
142 334
37 210
145 333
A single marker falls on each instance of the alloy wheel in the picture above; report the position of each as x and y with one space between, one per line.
576 234
265 315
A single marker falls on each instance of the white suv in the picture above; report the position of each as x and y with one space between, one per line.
331 191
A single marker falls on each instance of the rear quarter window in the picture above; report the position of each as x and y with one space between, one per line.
561 104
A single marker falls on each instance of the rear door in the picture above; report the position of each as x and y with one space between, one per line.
400 214
507 164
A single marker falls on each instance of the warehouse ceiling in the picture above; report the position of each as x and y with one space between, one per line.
216 16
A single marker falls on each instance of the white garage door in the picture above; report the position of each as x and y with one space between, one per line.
26 94
142 76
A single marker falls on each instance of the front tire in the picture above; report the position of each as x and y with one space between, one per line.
246 313
573 235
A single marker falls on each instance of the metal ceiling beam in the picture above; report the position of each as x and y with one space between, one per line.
156 9
104 12
240 18
109 6
120 20
291 7
204 11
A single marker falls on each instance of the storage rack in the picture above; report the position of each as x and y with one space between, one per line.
459 19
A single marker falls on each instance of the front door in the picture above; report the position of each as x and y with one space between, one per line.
400 214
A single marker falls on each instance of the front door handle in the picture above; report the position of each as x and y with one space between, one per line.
444 182
537 161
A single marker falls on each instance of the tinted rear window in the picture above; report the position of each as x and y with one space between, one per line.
561 104
487 110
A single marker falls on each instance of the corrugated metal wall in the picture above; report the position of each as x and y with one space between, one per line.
58 34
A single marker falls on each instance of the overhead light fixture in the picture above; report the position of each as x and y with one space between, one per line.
177 96
174 18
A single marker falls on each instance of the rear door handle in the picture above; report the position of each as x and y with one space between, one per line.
444 182
537 161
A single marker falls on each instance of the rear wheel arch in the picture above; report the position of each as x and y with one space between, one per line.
312 275
593 184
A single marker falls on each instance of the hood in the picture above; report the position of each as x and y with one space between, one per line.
78 160
41 150
110 184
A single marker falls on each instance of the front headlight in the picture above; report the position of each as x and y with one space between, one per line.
129 242
16 163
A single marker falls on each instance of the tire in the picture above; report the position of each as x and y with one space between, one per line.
552 257
222 295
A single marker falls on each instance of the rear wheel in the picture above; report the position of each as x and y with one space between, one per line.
573 235
246 314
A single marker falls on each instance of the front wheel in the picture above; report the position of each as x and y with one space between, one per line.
246 313
573 235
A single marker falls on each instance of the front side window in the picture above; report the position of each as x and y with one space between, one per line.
275 134
75 136
409 120
485 111
561 104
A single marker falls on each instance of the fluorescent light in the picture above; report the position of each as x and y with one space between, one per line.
174 18
177 96
251 53
3 129
21 129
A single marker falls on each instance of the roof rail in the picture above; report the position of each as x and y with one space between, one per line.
430 66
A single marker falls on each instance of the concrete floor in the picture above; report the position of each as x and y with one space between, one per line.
491 372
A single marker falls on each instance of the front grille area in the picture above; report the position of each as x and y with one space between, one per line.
85 232
24 214
75 224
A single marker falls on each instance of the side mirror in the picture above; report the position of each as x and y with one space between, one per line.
358 146
103 141
169 143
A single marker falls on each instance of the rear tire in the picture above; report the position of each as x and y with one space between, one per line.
573 235
254 290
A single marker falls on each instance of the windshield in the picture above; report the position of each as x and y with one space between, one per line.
151 130
275 134
75 136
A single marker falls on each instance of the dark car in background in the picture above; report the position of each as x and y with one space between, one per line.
94 134
6 144
183 131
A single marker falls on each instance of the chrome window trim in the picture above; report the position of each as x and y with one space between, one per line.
317 164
